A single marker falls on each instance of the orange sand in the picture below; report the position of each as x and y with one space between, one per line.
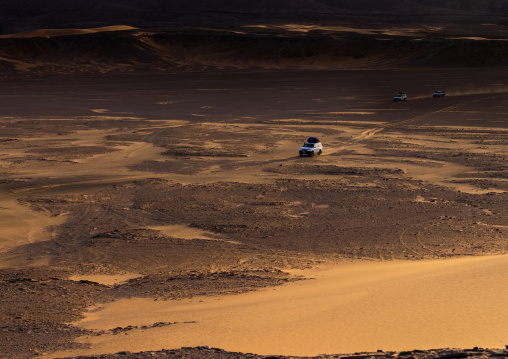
358 306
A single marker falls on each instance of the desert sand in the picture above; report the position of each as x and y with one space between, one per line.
352 307
187 189
153 199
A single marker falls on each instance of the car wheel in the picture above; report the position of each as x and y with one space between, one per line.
301 154
320 152
312 154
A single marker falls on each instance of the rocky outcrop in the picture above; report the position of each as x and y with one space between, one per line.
204 352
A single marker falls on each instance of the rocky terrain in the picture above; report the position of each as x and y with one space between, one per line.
212 353
154 154
215 214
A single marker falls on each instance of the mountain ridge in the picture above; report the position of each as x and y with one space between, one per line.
23 15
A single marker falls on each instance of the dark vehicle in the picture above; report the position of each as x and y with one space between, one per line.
438 94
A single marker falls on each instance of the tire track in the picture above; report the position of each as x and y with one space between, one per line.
368 134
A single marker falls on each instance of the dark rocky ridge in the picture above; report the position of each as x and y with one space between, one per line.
246 35
22 15
221 48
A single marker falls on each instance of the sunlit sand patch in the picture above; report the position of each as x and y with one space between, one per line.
352 307
498 226
99 110
19 225
289 121
184 232
98 167
422 199
19 65
298 215
189 233
363 31
463 186
292 204
105 278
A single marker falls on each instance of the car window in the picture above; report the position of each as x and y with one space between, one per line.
309 145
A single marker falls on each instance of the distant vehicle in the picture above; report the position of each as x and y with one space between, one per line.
311 147
438 94
401 96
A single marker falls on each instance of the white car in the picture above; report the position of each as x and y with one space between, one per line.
311 149
401 96
438 94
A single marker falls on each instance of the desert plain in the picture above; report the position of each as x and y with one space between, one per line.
149 210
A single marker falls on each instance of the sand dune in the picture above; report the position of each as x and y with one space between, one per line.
350 308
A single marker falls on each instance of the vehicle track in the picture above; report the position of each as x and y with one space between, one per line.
368 134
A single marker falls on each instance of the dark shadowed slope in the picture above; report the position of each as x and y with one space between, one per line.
62 36
240 48
25 15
